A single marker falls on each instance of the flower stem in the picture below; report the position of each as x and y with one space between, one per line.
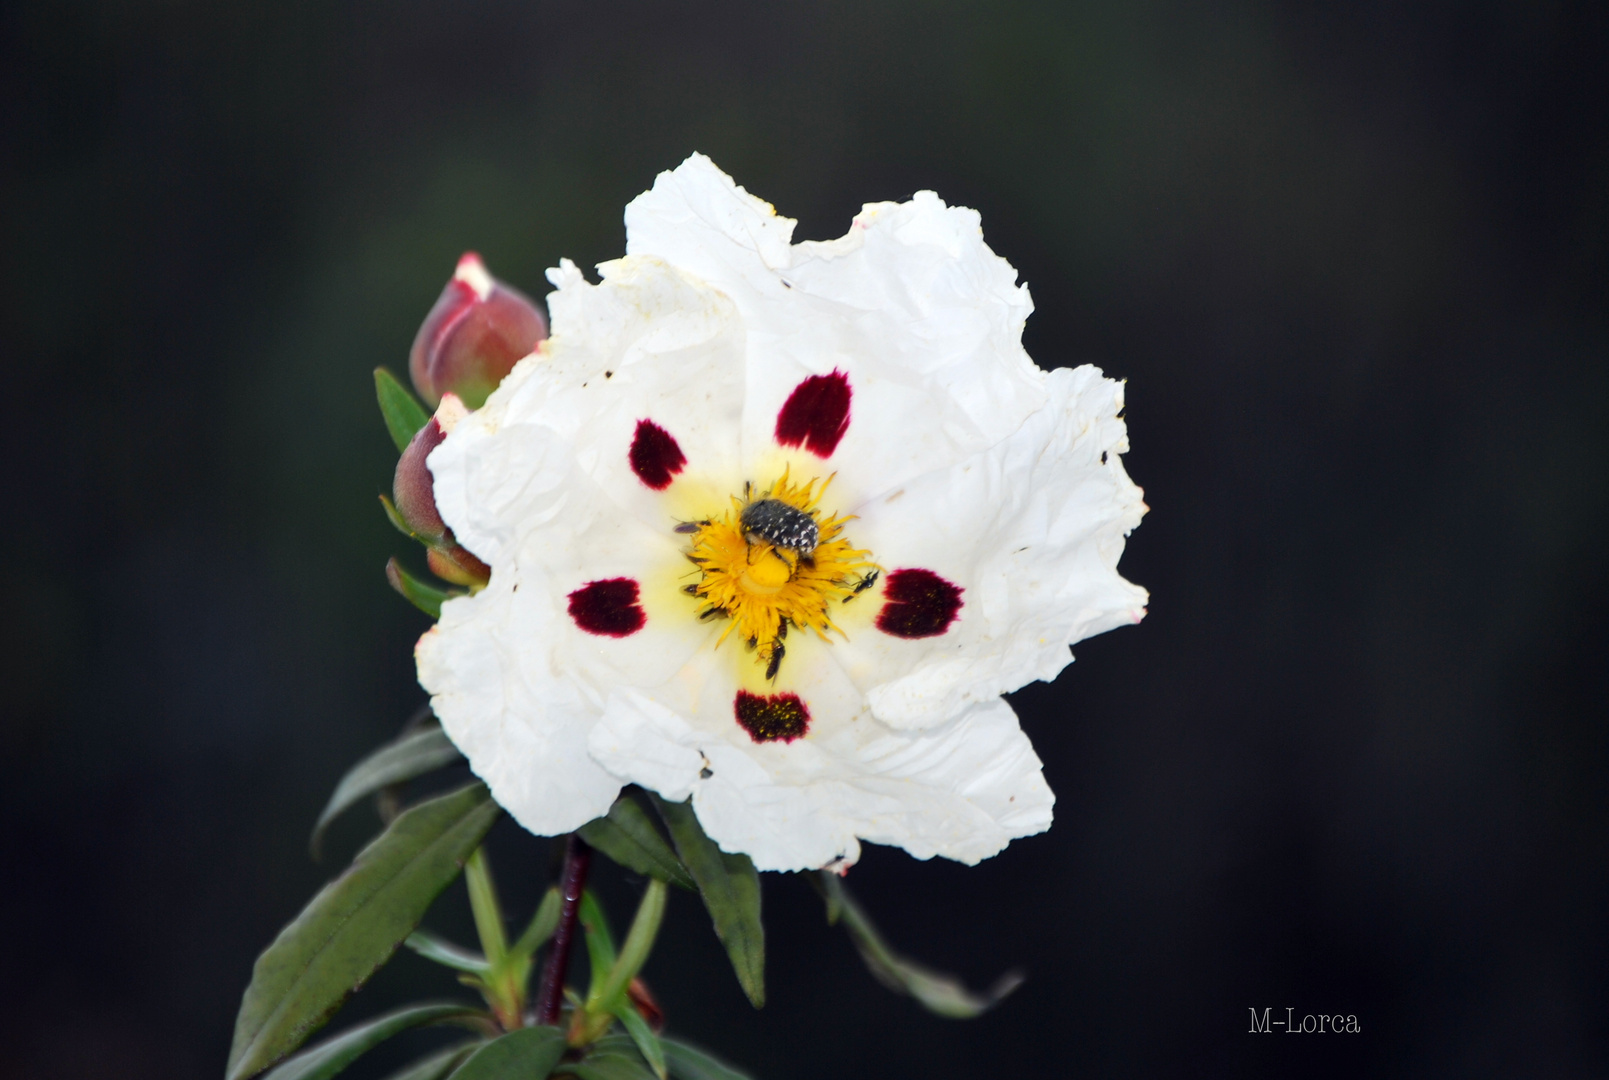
577 856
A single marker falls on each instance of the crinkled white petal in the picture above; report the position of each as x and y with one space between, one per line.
963 789
911 304
1032 530
961 457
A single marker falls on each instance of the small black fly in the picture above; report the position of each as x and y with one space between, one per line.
862 585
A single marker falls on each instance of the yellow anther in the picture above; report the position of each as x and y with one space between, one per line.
761 588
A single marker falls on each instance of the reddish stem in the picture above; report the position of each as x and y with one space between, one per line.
550 996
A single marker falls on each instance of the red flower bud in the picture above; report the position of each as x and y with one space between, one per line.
414 494
473 336
413 487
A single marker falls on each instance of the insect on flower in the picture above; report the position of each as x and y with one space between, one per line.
724 442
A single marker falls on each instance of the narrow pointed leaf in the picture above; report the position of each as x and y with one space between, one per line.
447 954
634 953
628 836
937 992
643 1036
427 598
690 1063
404 416
437 1066
600 942
353 926
412 754
731 891
526 1054
332 1055
542 925
685 1062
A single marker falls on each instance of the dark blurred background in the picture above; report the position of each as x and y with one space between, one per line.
1350 257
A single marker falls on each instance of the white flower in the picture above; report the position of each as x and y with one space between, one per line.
774 525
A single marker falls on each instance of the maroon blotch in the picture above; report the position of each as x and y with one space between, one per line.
768 717
655 455
918 604
816 414
608 607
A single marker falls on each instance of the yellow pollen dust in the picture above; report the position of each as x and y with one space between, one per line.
762 588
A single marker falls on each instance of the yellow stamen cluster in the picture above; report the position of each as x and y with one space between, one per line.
762 588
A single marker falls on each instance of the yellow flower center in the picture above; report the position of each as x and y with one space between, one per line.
751 577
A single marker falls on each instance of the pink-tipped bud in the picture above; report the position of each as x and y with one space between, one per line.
412 488
473 336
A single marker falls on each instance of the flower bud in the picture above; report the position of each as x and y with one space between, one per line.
473 336
412 487
457 564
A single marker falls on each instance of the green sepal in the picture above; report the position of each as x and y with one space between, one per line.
427 598
404 416
437 1066
524 1054
642 1036
942 994
411 754
394 516
629 837
731 891
354 925
443 952
332 1055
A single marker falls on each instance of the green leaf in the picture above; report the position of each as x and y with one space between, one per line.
610 1059
412 754
447 954
629 837
542 925
332 1055
643 1036
485 906
404 416
938 993
354 925
731 891
690 1063
600 942
526 1054
685 1062
427 598
634 953
437 1066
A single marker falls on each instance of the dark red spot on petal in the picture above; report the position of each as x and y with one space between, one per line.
770 717
918 603
655 456
816 414
608 608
